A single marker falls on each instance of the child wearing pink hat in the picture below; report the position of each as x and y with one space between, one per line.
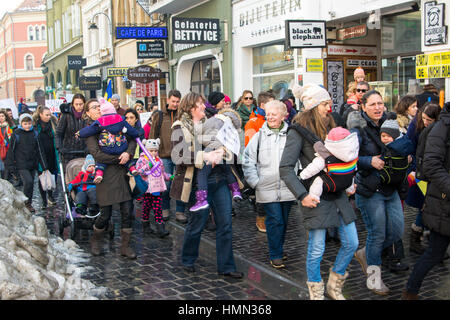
359 75
334 167
114 131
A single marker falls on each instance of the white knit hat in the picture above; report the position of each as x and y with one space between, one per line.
152 144
311 95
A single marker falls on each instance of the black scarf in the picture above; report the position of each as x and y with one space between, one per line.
46 139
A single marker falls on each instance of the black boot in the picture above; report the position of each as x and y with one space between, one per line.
161 230
81 209
415 243
395 253
147 228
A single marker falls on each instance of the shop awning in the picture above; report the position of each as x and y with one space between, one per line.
168 6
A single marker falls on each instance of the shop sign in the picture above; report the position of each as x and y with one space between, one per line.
147 89
150 50
141 33
433 65
268 10
362 63
435 31
314 65
354 32
116 72
76 62
335 71
144 74
306 34
90 83
335 50
195 31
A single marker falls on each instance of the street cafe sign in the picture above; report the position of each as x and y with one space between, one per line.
144 74
141 33
90 83
116 72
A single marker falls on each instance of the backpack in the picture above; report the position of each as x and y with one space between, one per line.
339 175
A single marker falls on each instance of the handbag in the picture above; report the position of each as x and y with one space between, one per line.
140 187
47 181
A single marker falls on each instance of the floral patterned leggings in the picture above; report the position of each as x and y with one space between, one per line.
152 202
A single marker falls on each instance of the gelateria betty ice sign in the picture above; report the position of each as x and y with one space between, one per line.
195 31
306 34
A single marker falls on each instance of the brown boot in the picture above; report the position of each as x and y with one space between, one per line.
335 284
125 249
96 241
409 296
261 223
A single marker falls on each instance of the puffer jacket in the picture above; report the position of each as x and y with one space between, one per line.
68 125
261 165
436 164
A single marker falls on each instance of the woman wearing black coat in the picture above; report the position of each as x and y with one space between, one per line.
436 211
71 121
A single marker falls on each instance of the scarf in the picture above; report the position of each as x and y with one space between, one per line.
77 114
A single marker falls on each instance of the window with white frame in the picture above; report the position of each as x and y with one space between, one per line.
43 33
58 33
37 33
49 4
76 20
30 33
29 62
64 29
51 39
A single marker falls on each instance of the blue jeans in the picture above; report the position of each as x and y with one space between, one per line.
219 198
316 247
277 214
170 167
383 217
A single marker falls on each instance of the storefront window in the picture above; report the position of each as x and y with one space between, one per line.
205 76
401 34
273 68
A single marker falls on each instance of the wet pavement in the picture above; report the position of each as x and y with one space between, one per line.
157 272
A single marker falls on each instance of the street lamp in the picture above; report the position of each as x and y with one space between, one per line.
93 26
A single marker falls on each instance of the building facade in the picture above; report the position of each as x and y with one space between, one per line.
64 38
23 45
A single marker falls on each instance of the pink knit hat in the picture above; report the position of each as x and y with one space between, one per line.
106 107
359 72
227 99
337 134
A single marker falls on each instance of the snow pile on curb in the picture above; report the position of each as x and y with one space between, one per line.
35 265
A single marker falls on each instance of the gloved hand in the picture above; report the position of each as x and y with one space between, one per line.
70 187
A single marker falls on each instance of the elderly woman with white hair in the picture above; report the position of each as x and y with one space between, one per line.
260 164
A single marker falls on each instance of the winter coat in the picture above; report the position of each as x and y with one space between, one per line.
403 122
360 123
165 131
47 140
112 129
143 167
261 165
436 211
25 151
255 122
187 155
68 125
5 137
326 214
83 181
114 187
212 126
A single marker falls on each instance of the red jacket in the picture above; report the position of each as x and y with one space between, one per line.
82 179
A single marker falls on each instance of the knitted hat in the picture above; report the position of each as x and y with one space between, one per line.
152 144
115 96
359 72
106 107
25 115
227 99
391 128
337 134
311 95
215 97
88 162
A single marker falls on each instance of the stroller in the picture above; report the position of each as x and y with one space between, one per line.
72 219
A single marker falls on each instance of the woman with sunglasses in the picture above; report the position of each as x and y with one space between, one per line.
245 107
138 107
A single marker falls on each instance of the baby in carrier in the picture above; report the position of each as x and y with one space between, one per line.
85 187
209 131
334 166
114 131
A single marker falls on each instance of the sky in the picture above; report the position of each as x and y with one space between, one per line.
8 5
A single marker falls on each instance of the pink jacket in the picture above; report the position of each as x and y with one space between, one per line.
155 184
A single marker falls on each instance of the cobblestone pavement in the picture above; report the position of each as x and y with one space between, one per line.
157 273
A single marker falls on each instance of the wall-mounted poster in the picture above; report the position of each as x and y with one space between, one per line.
335 71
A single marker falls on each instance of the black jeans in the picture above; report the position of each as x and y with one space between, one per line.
106 212
27 177
432 256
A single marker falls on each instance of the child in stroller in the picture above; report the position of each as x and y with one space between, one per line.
85 188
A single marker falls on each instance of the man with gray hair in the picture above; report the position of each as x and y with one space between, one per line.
115 100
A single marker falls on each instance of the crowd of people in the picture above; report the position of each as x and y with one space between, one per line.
334 164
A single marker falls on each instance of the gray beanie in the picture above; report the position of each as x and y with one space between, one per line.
23 116
391 128
89 161
115 96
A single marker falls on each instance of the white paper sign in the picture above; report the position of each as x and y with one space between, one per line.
144 118
9 103
306 34
229 137
53 105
